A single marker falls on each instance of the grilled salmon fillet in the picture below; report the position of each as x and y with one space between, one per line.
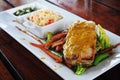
80 45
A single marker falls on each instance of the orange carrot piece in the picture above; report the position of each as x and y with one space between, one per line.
48 44
58 42
58 48
42 47
110 48
58 36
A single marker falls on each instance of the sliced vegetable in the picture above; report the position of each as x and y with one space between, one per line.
57 53
110 48
79 69
24 11
99 58
42 47
59 48
98 46
49 35
58 42
58 36
103 38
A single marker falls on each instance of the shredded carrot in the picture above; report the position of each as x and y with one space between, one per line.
48 44
55 41
58 36
42 47
58 42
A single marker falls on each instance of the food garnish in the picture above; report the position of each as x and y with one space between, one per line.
24 11
42 47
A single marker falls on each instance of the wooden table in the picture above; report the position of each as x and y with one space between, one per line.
30 67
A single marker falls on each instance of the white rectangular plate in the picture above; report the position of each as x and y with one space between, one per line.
7 25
